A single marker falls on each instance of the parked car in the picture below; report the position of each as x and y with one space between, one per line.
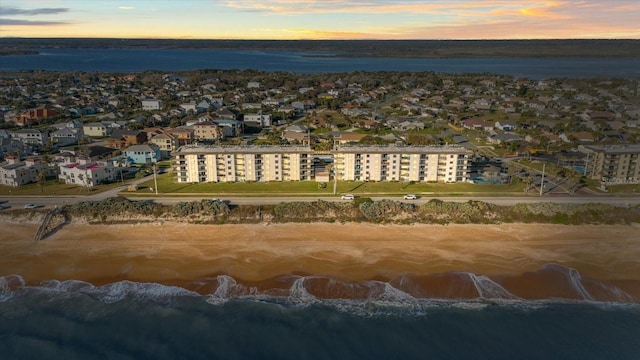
32 206
410 197
347 197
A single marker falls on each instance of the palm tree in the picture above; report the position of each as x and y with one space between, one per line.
42 179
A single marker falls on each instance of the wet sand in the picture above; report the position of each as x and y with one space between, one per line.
176 253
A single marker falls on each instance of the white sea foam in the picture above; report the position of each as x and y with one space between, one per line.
299 294
383 299
222 293
67 286
392 294
7 284
574 278
489 289
123 289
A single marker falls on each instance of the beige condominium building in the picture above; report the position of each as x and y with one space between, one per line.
616 164
242 163
447 163
198 163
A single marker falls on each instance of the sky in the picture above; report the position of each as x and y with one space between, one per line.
322 19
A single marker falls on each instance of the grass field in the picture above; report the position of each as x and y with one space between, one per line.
167 185
53 187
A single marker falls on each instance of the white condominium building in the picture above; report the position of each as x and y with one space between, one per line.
613 164
296 163
242 163
402 163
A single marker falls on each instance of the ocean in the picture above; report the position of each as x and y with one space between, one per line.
138 60
129 320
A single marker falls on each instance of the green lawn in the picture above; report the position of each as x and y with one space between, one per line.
53 187
167 185
624 188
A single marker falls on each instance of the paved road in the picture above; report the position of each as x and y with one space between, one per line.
51 201
19 202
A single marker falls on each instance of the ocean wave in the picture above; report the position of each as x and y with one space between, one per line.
551 284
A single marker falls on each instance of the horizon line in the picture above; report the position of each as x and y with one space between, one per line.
329 39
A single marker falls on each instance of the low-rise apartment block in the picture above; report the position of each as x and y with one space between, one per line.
296 163
243 163
447 164
616 164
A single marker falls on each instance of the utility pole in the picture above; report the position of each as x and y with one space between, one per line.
542 180
155 178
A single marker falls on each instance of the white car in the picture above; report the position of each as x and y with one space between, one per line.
31 206
410 197
347 197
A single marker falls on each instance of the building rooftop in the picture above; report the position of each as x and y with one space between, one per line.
615 149
276 149
242 149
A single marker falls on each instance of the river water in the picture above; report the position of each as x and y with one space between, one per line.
137 60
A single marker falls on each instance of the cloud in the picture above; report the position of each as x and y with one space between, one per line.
41 11
17 22
323 34
383 6
126 8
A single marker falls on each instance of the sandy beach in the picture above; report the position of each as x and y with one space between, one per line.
177 253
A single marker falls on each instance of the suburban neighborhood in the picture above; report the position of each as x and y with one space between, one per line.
88 129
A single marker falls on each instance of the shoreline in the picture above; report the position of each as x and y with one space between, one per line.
185 254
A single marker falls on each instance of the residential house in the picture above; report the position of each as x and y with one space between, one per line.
9 145
207 131
5 134
66 136
348 137
87 173
95 129
477 124
121 139
35 116
299 106
203 106
151 104
259 120
409 124
184 135
226 114
251 106
166 142
505 125
31 137
142 154
230 128
189 108
16 173
581 137
295 137
270 102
